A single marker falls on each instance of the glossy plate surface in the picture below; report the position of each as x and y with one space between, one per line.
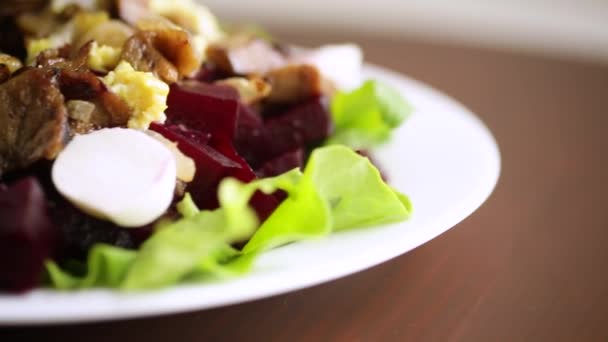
443 157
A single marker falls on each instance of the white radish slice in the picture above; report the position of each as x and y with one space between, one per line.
117 174
341 64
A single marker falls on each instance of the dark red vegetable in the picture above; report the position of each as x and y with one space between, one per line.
204 107
285 162
211 165
303 125
299 127
27 235
196 110
250 139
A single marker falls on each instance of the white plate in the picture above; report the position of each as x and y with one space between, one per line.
444 158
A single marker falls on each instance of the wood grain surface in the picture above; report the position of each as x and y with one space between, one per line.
530 265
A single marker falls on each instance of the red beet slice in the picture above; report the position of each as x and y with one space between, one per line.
195 109
303 125
206 108
299 127
211 167
195 136
250 140
283 163
27 235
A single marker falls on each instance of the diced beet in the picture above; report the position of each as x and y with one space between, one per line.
204 107
299 127
303 125
177 133
27 235
250 140
211 167
196 108
281 164
264 204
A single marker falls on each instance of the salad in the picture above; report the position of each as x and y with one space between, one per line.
143 144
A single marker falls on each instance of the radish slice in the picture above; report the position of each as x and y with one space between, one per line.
117 174
341 64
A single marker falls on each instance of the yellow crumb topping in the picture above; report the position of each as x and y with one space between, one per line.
142 91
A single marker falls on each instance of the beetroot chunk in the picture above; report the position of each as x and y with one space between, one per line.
299 127
305 124
27 235
250 140
202 120
211 167
204 107
285 162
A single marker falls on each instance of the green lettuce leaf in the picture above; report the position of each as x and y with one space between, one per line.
352 186
365 117
106 265
339 189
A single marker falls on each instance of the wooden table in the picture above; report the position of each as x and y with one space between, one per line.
530 265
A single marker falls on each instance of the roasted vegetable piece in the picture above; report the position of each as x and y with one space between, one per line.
163 49
175 43
110 109
140 52
251 90
297 83
33 119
